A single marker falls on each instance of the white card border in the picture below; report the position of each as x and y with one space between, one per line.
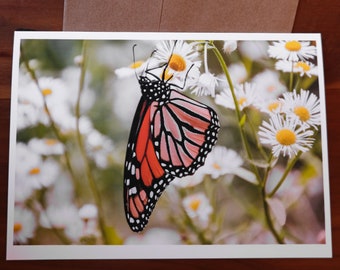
29 252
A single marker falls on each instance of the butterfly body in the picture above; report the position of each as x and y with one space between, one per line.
154 90
170 137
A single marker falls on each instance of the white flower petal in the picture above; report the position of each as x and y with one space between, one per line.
246 175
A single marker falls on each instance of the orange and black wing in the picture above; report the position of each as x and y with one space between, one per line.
144 177
166 141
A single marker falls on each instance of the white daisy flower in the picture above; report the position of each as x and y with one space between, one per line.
223 161
306 68
53 90
99 147
305 107
286 66
27 115
292 50
63 191
34 64
135 68
238 73
25 157
206 85
70 77
61 213
301 67
285 136
46 146
88 214
68 124
183 66
28 93
229 46
198 208
130 94
88 211
59 217
268 85
246 96
61 115
178 54
24 225
23 190
33 169
254 50
43 174
56 95
25 84
269 106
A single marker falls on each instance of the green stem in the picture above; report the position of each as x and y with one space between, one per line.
283 177
237 109
269 222
291 78
298 82
230 82
246 146
266 173
83 153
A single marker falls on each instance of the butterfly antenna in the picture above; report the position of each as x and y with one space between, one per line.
186 76
134 59
167 64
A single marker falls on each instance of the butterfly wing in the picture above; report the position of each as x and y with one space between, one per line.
144 177
166 141
184 132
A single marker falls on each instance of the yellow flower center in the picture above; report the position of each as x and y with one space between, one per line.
136 64
194 204
17 227
242 100
273 106
293 46
46 91
34 171
285 137
302 112
50 142
177 62
271 88
216 166
302 65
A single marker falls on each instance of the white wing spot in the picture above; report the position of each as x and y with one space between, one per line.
132 191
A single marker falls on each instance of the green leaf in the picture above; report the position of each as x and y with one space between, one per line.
243 120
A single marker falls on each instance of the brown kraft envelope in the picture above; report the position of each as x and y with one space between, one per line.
180 15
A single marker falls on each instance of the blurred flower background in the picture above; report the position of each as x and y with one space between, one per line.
262 183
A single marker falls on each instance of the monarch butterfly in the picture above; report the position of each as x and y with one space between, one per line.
171 135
